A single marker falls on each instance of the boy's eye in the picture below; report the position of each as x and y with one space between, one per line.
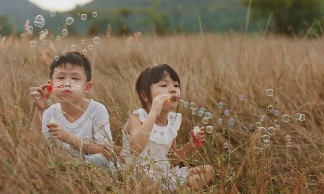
75 78
164 85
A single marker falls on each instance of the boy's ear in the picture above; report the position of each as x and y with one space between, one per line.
88 87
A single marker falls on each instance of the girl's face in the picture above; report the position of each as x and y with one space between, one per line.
166 86
73 82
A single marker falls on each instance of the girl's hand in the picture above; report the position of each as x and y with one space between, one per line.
157 104
58 132
200 135
42 101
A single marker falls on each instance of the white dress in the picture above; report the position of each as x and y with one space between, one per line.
154 158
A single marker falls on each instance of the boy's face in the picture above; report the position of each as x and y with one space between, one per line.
73 82
166 86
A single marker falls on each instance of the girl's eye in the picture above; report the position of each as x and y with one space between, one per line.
177 86
164 85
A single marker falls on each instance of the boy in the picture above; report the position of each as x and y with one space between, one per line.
77 122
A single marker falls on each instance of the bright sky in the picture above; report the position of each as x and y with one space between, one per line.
59 5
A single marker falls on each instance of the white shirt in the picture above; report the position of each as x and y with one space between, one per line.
92 126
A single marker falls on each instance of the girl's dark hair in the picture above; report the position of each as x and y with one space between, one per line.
75 59
152 75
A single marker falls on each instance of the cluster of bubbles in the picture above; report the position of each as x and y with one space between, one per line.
39 21
288 141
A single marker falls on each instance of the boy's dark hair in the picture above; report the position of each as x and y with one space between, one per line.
75 59
152 75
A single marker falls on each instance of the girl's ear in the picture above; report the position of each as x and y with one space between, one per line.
88 87
144 96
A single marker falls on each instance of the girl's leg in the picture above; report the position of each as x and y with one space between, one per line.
200 177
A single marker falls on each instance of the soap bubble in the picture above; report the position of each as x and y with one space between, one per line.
39 21
37 95
73 47
261 117
220 105
250 127
210 116
193 111
271 131
44 41
64 53
200 113
69 21
289 144
225 145
266 138
285 118
266 144
52 13
202 110
30 29
32 90
302 117
84 51
58 38
226 112
262 130
96 40
192 105
209 129
94 14
33 44
84 16
56 58
275 122
277 127
231 121
186 104
241 97
77 87
90 47
257 150
297 116
49 102
269 92
72 82
270 108
258 124
276 113
288 138
220 121
82 41
65 32
205 120
51 36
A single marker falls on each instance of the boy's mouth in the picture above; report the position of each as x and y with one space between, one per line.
66 91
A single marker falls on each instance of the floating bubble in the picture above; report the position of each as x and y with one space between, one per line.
285 118
37 95
33 44
302 117
202 110
186 104
193 111
192 105
65 32
251 127
49 102
84 51
210 116
257 150
55 70
258 124
270 108
39 21
52 13
231 121
90 47
72 82
261 117
209 129
73 87
51 36
82 41
78 14
226 112
267 144
64 53
94 14
44 41
96 40
275 122
207 114
225 145
276 113
73 47
269 92
277 127
200 113
271 131
56 58
84 16
32 90
58 38
69 21
288 138
77 87
266 138
289 144
241 97
205 120
220 121
30 29
297 116
220 105
262 130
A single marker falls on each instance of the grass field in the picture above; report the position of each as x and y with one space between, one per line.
212 69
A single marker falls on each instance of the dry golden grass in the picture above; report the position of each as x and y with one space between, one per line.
212 69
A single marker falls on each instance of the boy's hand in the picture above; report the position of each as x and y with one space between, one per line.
58 132
200 135
42 101
157 103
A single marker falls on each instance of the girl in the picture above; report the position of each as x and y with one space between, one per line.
150 133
